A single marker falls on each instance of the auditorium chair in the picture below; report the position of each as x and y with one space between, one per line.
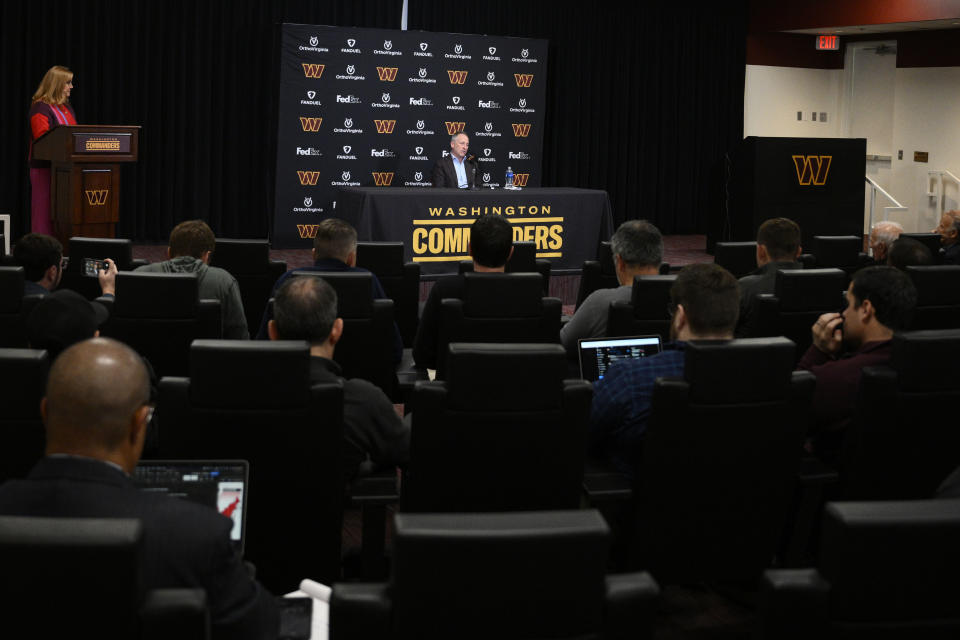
938 297
22 441
523 260
719 462
366 348
12 331
503 432
905 440
886 570
400 280
739 258
252 400
498 575
800 297
930 240
597 274
249 262
647 312
117 249
839 252
158 315
498 307
81 578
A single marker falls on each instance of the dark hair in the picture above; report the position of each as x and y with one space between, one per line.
491 239
781 237
36 253
638 243
191 238
304 308
710 296
889 290
335 239
906 252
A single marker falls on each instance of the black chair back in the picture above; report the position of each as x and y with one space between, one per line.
120 250
930 240
800 297
647 313
12 331
24 375
253 400
523 260
482 442
597 274
401 282
839 252
249 262
938 297
719 461
739 258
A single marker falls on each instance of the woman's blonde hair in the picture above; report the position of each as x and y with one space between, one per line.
52 86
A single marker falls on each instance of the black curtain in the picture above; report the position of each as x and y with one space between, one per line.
200 77
642 100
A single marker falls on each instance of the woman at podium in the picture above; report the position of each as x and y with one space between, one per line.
50 108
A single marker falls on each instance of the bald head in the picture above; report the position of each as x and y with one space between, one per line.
96 394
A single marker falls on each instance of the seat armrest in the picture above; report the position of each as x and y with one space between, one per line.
175 613
377 488
361 610
606 486
793 604
630 603
138 262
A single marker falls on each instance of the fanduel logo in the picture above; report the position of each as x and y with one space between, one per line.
385 126
521 130
387 74
457 77
313 70
310 124
382 179
523 79
812 169
454 127
308 178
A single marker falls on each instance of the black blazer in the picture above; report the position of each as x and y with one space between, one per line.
185 544
444 175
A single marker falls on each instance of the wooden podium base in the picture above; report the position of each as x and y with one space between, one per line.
86 200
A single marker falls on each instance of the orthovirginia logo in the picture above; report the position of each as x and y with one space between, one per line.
521 130
812 169
520 179
456 77
385 126
454 127
382 179
97 197
308 178
313 70
523 79
310 124
387 74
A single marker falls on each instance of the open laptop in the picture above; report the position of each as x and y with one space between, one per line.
599 354
219 484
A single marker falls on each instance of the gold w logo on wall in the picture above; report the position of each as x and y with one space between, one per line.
520 179
455 127
310 124
307 230
812 169
313 70
382 179
523 79
97 197
457 77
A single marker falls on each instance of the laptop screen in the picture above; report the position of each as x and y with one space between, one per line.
219 484
599 354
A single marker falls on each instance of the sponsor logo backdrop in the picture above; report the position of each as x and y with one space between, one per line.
376 107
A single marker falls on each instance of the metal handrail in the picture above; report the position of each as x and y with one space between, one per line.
874 188
939 193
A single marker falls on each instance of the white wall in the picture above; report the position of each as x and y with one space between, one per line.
926 117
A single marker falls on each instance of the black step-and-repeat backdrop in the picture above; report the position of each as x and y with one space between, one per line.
377 107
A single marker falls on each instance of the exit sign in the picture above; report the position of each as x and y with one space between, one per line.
828 43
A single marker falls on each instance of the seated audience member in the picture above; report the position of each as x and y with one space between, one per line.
490 246
882 236
706 302
778 247
334 250
62 319
637 248
908 252
42 260
880 300
949 230
96 412
191 244
374 435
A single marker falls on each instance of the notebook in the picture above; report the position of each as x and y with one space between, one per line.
599 354
218 484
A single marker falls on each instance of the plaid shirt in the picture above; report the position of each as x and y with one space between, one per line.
622 403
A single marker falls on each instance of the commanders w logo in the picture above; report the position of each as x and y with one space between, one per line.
457 77
520 179
387 74
307 230
313 70
454 127
523 79
310 124
521 130
812 169
97 197
308 178
382 179
385 126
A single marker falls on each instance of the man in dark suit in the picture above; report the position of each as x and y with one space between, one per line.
96 412
456 171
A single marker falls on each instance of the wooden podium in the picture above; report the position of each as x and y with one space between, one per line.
85 177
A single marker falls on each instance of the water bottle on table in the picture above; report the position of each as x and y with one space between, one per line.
508 182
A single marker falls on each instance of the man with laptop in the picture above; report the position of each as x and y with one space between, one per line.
637 248
96 411
706 302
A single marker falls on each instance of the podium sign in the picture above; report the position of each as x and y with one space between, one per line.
85 176
816 182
